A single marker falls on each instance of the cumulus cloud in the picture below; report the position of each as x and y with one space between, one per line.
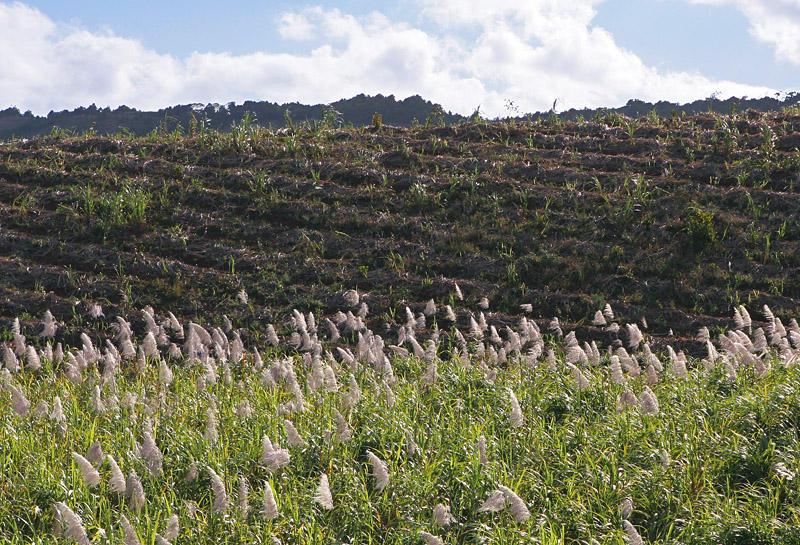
476 53
295 26
775 22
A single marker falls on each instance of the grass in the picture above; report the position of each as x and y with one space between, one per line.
671 220
717 464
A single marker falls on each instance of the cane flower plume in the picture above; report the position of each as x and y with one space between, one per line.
269 509
210 434
89 474
496 502
117 481
430 539
220 494
243 496
515 417
442 515
71 524
649 402
379 471
633 534
134 491
130 534
272 455
149 451
515 504
19 402
323 495
292 436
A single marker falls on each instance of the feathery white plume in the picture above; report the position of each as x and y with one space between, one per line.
210 434
243 499
272 336
442 515
73 523
627 399
633 535
32 360
134 491
220 495
152 454
652 376
323 495
130 534
58 416
343 432
19 402
496 502
390 397
635 336
481 444
90 475
581 382
379 471
244 409
616 370
649 402
173 528
10 360
515 504
269 510
430 375
351 298
149 346
272 455
96 311
626 507
49 324
292 436
599 320
515 417
430 539
96 401
117 481
165 375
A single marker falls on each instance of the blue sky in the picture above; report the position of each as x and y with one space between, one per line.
462 53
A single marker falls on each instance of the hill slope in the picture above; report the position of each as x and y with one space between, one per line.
667 219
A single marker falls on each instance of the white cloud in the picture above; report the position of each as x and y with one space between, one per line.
295 26
776 22
528 52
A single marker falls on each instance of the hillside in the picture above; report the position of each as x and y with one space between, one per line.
672 220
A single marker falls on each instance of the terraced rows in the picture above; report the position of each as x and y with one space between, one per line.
668 219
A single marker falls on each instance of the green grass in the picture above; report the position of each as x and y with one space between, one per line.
701 471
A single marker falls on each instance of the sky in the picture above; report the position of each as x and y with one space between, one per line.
462 54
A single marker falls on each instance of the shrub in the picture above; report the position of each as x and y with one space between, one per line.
699 225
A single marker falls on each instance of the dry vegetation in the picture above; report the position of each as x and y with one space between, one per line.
669 219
